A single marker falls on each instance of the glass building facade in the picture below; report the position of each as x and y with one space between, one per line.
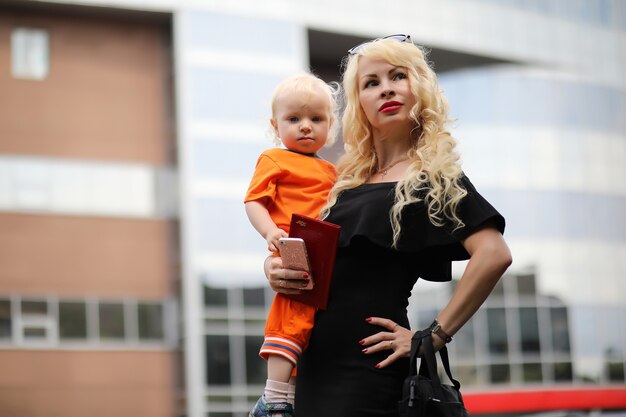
538 92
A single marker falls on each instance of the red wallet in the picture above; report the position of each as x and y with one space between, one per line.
321 239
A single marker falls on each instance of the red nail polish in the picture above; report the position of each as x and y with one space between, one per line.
361 342
368 319
377 366
305 275
364 351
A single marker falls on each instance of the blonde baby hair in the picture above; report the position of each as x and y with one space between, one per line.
306 83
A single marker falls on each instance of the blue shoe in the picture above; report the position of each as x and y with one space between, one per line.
265 409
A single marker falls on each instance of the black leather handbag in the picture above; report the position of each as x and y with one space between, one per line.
423 394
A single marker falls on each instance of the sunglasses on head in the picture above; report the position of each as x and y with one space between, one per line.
398 37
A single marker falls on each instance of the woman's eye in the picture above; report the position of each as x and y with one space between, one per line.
370 83
400 76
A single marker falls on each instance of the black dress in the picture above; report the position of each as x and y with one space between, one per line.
335 379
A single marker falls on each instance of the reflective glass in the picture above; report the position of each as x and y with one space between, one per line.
217 359
35 332
231 32
72 320
615 371
496 327
254 297
230 86
526 284
560 329
529 328
500 373
150 317
111 320
532 372
35 307
563 372
5 319
464 341
256 369
215 296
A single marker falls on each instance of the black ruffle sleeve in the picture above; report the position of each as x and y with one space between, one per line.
363 213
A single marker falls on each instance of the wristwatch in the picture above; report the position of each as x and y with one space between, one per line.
435 328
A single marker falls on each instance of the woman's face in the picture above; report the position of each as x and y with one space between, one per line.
384 93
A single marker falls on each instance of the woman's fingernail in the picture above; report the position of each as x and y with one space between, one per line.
368 319
304 284
361 342
364 351
377 366
305 275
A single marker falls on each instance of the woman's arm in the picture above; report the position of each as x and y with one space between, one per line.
489 258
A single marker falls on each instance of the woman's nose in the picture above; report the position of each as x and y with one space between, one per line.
387 90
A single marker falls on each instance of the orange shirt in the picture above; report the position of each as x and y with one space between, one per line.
291 183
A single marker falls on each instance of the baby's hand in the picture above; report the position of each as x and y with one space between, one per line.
272 238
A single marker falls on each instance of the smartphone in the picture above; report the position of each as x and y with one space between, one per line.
293 252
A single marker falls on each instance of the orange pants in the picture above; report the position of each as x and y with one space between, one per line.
288 329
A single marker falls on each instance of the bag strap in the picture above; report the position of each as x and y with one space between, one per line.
443 353
428 365
416 342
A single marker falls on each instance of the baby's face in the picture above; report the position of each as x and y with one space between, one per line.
302 121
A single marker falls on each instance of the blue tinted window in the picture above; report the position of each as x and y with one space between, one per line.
233 33
222 159
514 98
222 225
230 96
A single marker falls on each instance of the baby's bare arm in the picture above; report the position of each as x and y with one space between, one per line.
260 218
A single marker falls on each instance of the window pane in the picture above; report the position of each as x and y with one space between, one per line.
5 319
563 372
532 372
217 360
39 307
29 53
111 319
467 374
498 290
530 330
254 297
500 373
150 321
35 333
425 318
464 341
615 371
72 320
496 322
526 284
560 329
215 296
256 368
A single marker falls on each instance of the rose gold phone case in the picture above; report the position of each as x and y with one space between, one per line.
293 253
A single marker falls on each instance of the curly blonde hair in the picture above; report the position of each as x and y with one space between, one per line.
305 84
434 173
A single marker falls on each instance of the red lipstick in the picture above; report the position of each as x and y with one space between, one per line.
389 106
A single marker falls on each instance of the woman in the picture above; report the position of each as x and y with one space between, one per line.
406 211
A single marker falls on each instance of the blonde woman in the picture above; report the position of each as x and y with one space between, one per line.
406 211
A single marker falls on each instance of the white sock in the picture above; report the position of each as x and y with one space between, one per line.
291 394
276 391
